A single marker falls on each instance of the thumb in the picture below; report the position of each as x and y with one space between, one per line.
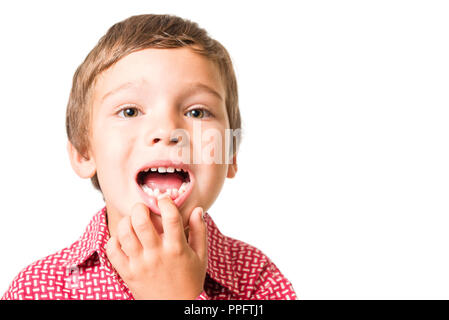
198 233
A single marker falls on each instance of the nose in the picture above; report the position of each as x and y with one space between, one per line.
162 135
161 129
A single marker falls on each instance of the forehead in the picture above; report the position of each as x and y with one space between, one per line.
162 70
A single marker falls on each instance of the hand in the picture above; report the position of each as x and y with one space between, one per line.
165 266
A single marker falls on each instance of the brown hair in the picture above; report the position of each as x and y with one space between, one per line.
133 34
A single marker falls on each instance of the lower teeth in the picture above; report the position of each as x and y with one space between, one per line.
172 193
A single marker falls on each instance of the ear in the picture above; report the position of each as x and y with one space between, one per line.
232 168
85 168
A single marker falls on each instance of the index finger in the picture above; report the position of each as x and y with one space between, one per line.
171 221
143 227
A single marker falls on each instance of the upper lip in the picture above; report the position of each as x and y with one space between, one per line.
164 163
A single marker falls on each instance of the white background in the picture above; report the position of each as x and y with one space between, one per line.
344 167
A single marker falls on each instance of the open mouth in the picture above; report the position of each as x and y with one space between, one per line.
172 180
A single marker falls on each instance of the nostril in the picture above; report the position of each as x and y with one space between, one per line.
172 140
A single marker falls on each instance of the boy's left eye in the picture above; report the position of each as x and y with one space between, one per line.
198 113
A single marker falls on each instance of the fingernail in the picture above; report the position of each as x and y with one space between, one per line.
202 214
163 196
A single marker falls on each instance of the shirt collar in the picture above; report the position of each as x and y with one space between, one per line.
92 241
220 258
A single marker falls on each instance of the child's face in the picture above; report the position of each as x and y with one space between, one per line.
158 89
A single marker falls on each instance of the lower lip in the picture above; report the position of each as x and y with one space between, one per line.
151 201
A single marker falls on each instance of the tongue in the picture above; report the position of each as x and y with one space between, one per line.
163 181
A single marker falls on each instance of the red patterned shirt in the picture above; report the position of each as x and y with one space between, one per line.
235 270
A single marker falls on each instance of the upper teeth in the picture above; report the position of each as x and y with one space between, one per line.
163 169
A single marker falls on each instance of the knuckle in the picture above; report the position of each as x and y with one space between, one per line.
125 243
175 249
152 259
172 218
139 221
125 273
141 228
124 230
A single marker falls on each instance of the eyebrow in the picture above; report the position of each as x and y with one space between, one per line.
198 86
123 86
192 88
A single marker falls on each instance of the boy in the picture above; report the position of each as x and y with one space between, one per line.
137 107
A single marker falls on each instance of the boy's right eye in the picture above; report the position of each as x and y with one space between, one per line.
128 112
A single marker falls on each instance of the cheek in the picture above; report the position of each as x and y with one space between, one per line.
112 153
214 146
108 152
112 142
211 181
